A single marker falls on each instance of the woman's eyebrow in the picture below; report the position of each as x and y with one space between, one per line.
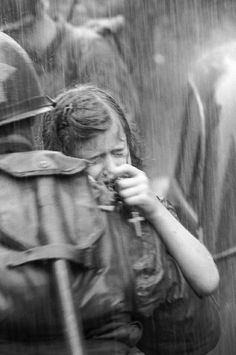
92 156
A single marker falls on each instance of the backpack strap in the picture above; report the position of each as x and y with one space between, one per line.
86 257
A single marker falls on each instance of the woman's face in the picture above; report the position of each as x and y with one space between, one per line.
105 151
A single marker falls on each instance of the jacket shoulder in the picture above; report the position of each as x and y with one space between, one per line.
39 163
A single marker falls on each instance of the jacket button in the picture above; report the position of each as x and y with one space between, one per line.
43 164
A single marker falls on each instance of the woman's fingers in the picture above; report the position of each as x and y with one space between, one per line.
135 201
133 191
134 188
126 171
129 176
128 182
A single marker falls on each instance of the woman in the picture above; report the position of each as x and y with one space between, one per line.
88 123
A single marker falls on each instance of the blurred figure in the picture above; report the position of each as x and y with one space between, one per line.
204 182
88 123
64 55
61 8
78 12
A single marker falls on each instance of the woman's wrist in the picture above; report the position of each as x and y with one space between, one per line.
156 212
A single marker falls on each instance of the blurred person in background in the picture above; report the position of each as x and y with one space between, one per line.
60 8
65 55
44 199
204 182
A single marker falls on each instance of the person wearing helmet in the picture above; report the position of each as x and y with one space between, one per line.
47 213
65 55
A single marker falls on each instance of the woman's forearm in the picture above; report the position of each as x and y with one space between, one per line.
193 258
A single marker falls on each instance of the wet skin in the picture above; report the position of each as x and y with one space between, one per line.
109 156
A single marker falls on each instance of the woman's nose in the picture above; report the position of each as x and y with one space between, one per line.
109 165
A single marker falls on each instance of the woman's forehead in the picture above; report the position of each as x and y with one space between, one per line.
113 138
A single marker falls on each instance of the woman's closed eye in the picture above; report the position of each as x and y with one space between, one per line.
119 153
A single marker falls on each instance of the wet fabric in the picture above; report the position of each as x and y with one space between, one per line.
108 292
189 326
55 347
122 280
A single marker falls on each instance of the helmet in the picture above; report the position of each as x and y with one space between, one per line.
20 93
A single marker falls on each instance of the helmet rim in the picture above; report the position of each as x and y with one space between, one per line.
24 116
31 113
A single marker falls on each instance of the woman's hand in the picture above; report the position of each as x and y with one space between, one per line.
192 257
134 188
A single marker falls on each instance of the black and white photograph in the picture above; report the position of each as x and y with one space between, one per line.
117 177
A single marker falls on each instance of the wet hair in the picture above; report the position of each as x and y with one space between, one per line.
80 114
